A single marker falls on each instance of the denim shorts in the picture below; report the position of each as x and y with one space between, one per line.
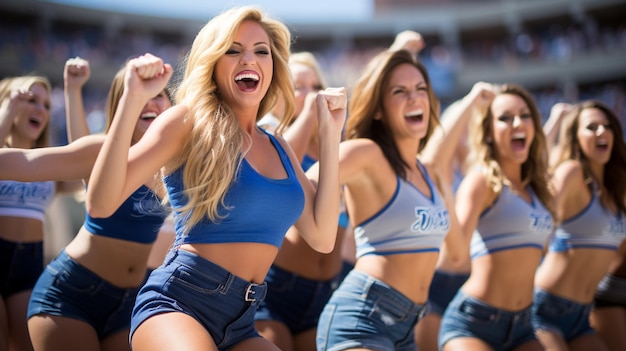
364 312
470 317
68 289
443 288
293 300
21 265
611 292
561 316
222 302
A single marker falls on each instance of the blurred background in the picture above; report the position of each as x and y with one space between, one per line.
560 50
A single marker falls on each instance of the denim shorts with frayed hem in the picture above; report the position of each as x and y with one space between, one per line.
222 302
70 290
503 330
20 266
558 315
293 300
364 312
443 288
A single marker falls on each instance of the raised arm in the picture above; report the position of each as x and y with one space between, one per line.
75 75
408 40
15 103
442 145
300 132
119 169
318 223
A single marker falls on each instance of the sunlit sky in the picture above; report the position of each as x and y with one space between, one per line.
301 11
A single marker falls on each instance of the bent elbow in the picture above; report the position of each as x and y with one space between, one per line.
97 211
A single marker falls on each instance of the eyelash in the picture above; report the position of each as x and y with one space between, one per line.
510 118
400 91
258 52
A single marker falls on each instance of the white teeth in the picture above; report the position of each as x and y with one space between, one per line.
247 76
149 115
519 136
415 113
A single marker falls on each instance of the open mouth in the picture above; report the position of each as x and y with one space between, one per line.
518 141
148 116
415 116
34 122
602 145
247 81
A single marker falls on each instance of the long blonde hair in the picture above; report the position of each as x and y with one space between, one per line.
534 169
26 82
215 149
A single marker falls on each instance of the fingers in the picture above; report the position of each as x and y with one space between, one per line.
76 65
334 98
148 66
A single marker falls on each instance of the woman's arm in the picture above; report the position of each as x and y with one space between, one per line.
318 223
75 75
119 169
59 163
441 146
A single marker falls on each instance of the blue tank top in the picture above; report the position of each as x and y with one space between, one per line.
26 200
307 162
511 223
258 209
594 227
138 219
410 222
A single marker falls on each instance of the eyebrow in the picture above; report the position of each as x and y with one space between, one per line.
255 44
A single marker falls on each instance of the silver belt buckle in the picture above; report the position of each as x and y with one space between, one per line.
249 292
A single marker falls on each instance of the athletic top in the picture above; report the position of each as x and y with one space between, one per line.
138 219
258 209
594 227
307 162
511 223
410 222
26 200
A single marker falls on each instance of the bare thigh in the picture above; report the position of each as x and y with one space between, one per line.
610 324
277 333
50 333
427 332
171 331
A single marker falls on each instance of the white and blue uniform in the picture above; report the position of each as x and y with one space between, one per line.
365 312
595 227
510 223
21 263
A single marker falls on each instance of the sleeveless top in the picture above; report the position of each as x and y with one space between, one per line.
511 223
594 227
138 219
410 222
257 209
26 200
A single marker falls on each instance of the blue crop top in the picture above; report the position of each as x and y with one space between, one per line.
511 223
258 209
26 200
594 227
410 222
138 219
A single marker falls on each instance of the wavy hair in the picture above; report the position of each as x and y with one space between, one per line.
26 82
568 148
367 102
215 148
534 169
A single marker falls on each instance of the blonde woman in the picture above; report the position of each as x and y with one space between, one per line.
234 188
504 205
24 124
